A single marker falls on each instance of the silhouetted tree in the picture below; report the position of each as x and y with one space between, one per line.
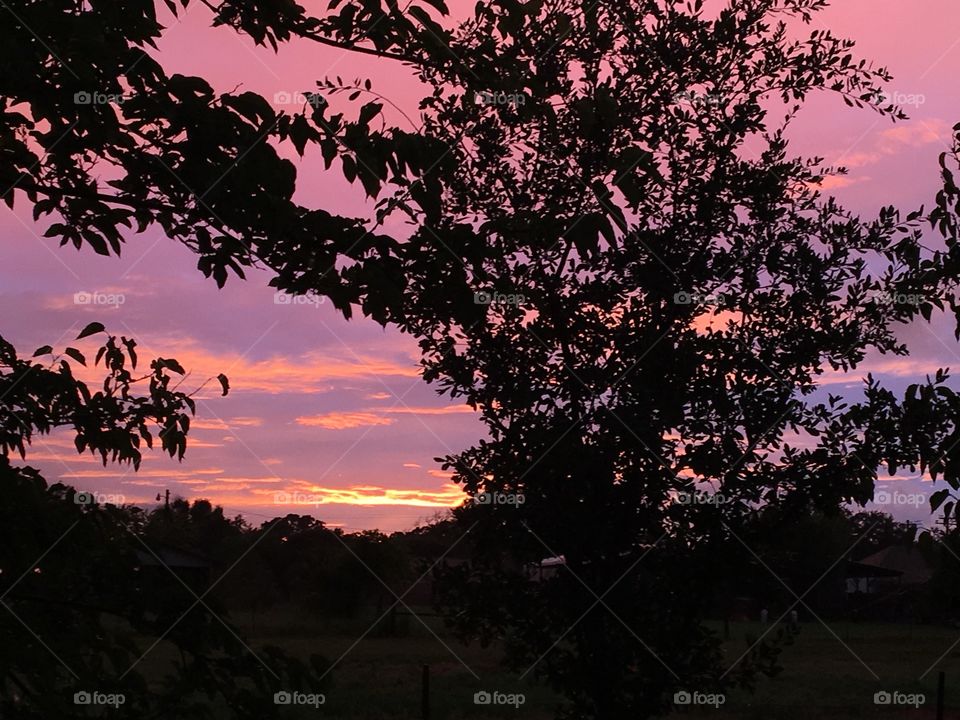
878 530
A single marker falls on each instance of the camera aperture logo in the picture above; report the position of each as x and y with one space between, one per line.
483 697
885 697
685 697
301 699
95 697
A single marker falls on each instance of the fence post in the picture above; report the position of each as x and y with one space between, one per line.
941 682
425 693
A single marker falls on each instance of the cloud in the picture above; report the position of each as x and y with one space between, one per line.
249 480
836 182
219 485
909 367
922 477
895 141
67 458
311 372
303 492
344 420
159 473
66 301
446 410
371 417
220 424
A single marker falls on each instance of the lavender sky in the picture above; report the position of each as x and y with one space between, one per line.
333 412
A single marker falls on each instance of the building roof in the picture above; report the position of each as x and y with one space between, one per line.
905 559
174 557
862 570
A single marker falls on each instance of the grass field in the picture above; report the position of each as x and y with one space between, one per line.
834 673
827 673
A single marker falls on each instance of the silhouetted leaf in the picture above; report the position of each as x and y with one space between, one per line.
76 355
91 329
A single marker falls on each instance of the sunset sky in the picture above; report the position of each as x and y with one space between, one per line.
334 412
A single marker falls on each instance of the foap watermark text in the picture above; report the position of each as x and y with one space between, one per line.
484 697
99 298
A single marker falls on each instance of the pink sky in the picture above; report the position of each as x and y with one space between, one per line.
333 411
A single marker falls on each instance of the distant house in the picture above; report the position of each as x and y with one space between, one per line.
869 579
888 584
548 568
545 569
897 566
162 558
